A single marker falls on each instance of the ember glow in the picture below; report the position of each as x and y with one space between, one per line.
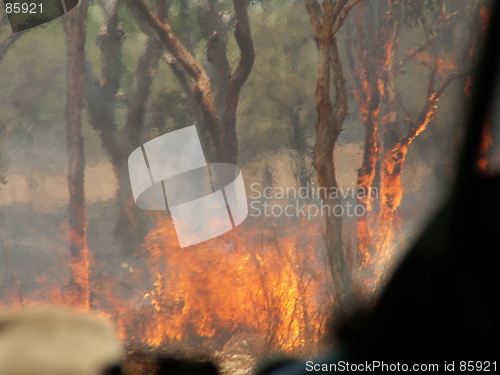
484 149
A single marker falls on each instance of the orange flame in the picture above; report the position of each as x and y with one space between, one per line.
247 280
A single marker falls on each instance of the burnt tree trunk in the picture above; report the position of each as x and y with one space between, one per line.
390 128
366 91
78 290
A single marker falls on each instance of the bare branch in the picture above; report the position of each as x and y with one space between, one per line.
238 78
336 7
316 15
340 106
429 109
428 41
186 85
216 34
343 14
145 72
172 43
110 41
100 93
203 90
415 51
245 44
405 110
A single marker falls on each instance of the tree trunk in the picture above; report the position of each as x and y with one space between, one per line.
329 124
78 291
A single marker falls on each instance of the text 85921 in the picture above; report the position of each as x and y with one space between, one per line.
17 8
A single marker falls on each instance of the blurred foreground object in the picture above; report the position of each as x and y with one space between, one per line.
56 342
174 366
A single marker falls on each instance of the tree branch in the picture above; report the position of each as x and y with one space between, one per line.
186 85
216 54
316 16
343 14
429 109
428 41
340 106
238 78
145 72
100 94
110 41
203 89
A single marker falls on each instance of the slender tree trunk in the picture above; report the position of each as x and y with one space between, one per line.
119 142
78 290
328 127
228 148
366 92
325 22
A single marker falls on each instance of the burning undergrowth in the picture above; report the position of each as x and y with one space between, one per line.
264 281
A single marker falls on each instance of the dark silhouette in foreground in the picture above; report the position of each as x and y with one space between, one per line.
53 341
